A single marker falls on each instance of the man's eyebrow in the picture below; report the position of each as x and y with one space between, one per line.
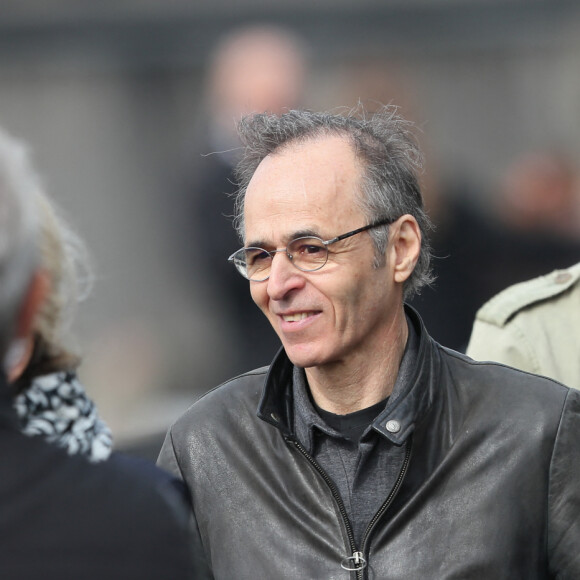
304 233
256 244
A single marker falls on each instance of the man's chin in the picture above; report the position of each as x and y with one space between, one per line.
303 356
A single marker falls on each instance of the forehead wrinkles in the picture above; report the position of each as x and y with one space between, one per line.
319 175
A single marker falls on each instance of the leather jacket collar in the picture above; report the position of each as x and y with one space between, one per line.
404 410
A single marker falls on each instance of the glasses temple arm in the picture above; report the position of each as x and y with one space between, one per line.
359 230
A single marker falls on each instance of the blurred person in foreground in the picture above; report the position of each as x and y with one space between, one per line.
258 68
367 449
51 402
61 516
534 326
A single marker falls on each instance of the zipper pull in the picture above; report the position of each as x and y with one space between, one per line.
354 563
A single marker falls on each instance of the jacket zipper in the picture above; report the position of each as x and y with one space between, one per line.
356 554
334 492
387 503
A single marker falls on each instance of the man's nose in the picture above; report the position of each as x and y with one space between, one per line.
284 276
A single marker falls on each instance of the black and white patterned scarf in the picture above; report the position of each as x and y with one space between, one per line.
57 407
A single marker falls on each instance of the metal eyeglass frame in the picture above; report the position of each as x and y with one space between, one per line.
232 258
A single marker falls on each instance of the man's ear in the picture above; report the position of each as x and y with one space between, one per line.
33 300
405 244
22 345
18 356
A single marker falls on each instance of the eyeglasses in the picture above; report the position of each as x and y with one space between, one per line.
308 254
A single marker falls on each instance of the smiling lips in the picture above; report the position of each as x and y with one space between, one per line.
297 317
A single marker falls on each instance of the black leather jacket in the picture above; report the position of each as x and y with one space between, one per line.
490 488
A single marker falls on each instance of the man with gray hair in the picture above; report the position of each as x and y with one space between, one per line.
366 449
61 516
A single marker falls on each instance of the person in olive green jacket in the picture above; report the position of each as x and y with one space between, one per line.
533 326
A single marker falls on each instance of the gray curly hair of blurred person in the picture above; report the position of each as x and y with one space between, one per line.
33 235
19 253
66 261
385 144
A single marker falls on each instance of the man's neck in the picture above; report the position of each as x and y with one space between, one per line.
362 381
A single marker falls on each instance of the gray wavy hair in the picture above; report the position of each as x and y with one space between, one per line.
68 265
382 141
19 232
34 235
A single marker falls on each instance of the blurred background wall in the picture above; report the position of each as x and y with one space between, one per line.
113 99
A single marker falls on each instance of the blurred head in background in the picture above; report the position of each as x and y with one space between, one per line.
539 191
260 69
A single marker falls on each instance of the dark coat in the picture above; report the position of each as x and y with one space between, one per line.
489 488
64 518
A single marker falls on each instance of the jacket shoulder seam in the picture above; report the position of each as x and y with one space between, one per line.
507 303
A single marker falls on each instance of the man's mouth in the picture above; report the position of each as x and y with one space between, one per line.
297 317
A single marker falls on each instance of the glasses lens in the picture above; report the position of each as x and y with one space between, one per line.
253 263
308 254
